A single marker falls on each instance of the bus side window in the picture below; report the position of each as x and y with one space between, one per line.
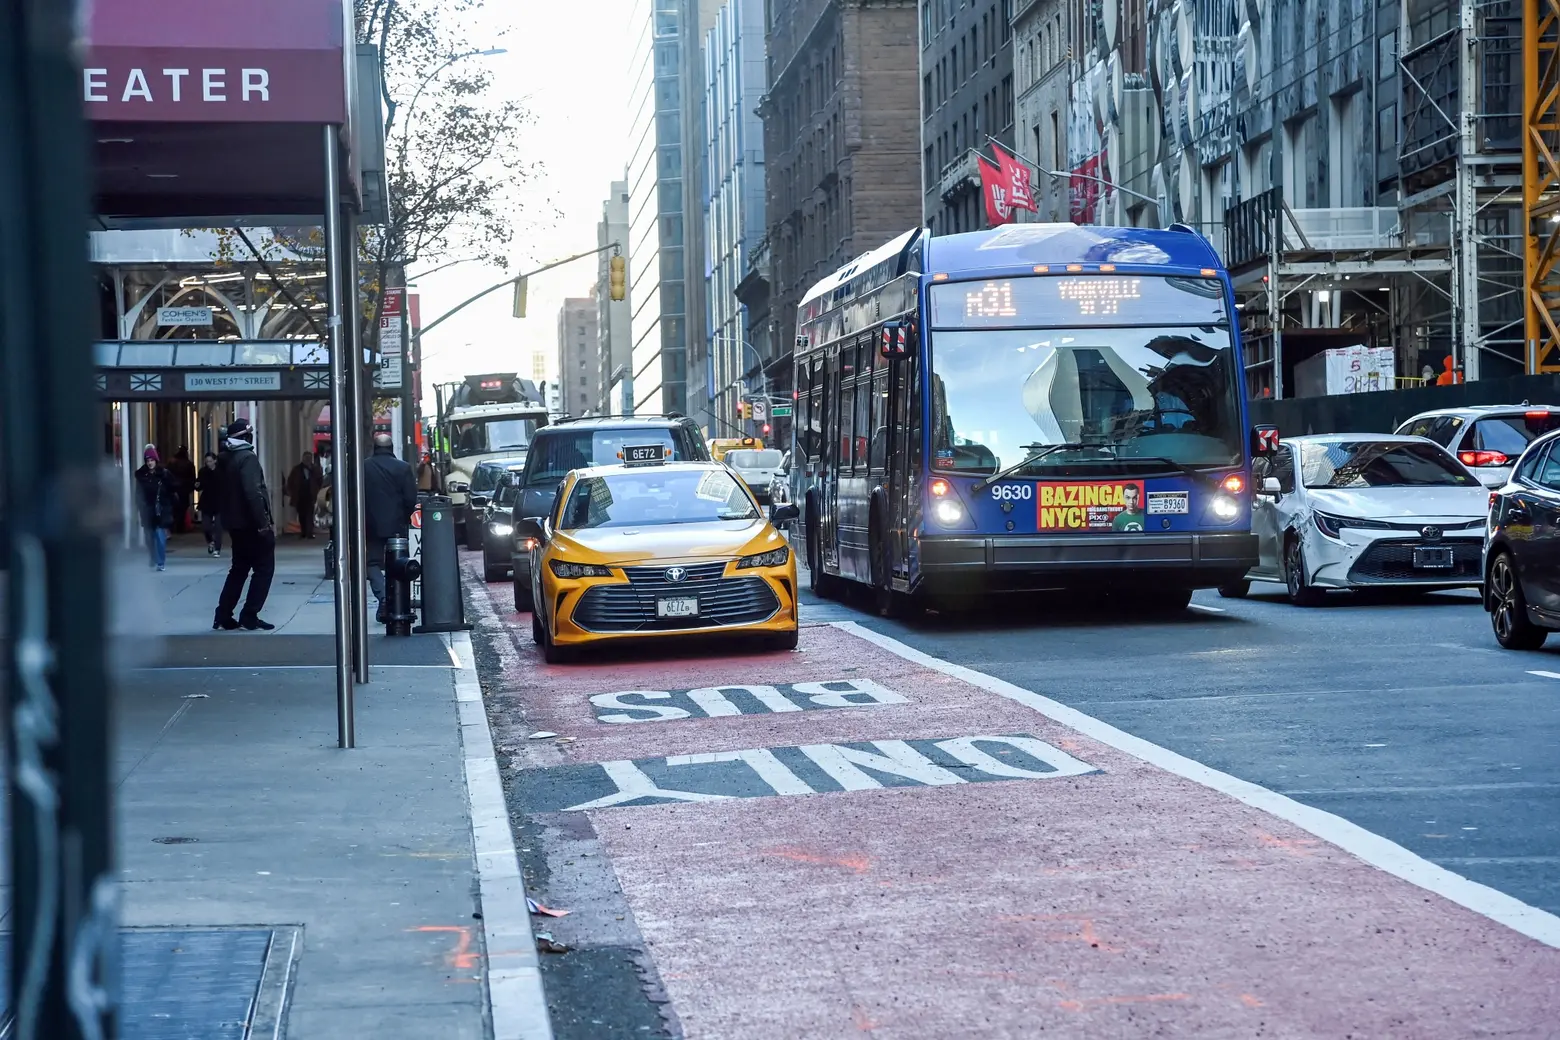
815 423
863 421
878 460
847 414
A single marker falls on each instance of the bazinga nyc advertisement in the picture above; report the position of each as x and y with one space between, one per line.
1112 505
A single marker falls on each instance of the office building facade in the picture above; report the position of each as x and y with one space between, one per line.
966 99
579 356
614 344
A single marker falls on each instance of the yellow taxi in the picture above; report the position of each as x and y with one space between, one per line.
721 445
654 549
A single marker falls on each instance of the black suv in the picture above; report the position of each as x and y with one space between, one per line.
485 480
571 444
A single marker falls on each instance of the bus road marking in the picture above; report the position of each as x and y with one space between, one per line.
630 706
1205 609
1545 675
804 769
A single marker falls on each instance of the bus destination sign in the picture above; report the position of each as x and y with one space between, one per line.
1088 299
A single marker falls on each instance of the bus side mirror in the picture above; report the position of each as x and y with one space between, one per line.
896 339
1264 441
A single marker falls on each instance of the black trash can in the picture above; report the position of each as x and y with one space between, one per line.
443 610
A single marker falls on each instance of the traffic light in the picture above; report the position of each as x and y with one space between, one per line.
766 429
617 269
742 409
520 296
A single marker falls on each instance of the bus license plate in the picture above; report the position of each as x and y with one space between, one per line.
1433 559
680 606
1169 503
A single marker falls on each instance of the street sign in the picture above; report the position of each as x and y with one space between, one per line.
167 316
760 410
782 411
391 328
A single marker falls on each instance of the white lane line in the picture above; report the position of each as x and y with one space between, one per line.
1352 838
454 657
1544 675
514 972
1206 609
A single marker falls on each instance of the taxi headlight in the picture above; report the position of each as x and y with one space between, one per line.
773 558
579 570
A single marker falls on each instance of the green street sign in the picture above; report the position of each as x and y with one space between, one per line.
780 411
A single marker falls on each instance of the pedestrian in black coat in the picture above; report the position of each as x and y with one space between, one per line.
246 513
389 498
209 484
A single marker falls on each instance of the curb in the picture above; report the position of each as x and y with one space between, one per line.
516 1000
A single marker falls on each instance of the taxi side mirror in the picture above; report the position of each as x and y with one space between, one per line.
785 514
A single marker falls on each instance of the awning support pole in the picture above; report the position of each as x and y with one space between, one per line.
343 437
362 426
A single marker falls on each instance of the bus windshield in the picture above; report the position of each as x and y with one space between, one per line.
1112 394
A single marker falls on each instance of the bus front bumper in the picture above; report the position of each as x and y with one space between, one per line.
1019 562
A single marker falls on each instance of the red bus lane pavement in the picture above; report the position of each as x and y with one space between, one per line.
847 841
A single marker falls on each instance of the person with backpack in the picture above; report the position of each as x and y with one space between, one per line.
246 513
389 497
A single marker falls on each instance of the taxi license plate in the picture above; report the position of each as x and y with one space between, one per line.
1433 559
680 606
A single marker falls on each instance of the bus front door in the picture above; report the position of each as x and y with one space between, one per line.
902 429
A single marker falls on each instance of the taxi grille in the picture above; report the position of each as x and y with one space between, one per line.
723 602
1393 561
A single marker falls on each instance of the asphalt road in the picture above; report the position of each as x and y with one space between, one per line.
854 839
1400 714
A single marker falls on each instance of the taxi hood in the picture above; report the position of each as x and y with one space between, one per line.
720 539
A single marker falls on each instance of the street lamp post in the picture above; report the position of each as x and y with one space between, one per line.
1109 184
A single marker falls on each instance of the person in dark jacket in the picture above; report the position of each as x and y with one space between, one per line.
183 471
159 494
246 513
210 487
389 497
303 487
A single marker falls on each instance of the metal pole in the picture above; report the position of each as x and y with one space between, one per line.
361 387
1465 207
64 897
341 435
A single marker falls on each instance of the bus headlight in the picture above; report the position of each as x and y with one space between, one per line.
948 512
1224 507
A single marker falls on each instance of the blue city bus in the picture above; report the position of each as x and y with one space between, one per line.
1033 407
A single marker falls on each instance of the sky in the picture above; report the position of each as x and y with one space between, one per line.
568 63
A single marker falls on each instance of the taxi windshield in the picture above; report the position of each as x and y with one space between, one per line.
651 496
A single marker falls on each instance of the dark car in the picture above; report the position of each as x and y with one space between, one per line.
573 444
498 525
484 481
1522 549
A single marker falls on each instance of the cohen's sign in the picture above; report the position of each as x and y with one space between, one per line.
175 84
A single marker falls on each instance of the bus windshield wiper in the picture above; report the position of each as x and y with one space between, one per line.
1033 457
1197 475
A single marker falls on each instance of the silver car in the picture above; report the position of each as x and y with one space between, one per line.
756 467
1488 439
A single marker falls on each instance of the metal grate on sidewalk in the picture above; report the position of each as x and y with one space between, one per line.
193 983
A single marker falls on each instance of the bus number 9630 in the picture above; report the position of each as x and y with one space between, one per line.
1012 492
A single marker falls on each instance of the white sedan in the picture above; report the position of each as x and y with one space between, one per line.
1353 511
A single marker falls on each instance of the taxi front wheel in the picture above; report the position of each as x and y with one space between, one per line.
552 653
784 641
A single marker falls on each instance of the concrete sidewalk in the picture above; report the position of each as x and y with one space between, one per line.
290 888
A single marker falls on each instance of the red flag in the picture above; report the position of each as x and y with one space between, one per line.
1021 193
995 189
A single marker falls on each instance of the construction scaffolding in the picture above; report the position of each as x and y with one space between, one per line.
1541 182
1460 158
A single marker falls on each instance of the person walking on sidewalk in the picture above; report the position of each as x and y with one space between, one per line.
246 513
303 488
183 471
210 487
389 497
158 497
